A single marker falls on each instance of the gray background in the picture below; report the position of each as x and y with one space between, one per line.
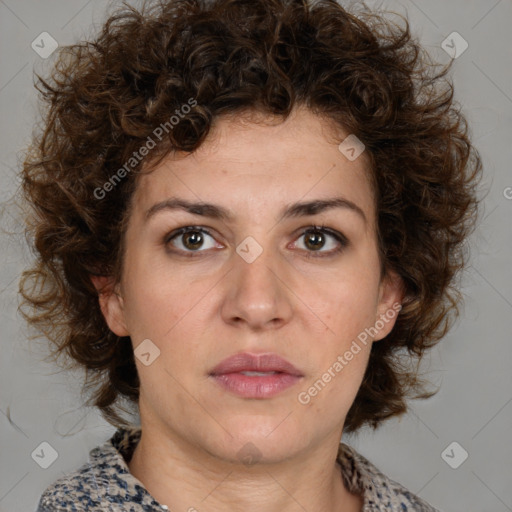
472 364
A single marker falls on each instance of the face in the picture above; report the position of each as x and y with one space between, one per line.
289 289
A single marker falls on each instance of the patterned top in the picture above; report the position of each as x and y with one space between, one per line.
106 484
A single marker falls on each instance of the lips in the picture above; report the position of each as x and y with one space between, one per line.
255 376
246 362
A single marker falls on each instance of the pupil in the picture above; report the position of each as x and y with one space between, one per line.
317 240
193 240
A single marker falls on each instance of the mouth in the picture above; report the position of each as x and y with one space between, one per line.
261 385
259 374
255 363
252 376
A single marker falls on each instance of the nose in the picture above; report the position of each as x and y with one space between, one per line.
257 293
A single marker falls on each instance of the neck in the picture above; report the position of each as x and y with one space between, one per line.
185 477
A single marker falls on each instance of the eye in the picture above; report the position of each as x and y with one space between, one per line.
317 238
190 239
194 239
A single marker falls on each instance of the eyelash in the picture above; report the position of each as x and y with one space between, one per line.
339 237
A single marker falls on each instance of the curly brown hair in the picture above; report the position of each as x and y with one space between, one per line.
359 69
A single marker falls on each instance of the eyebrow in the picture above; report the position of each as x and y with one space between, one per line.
299 209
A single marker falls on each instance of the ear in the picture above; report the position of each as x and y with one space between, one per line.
391 294
111 304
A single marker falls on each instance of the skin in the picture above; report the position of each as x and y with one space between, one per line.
200 310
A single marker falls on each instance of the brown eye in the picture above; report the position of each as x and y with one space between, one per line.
190 239
318 238
314 240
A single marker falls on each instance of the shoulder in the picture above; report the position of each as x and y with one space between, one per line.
83 489
103 481
78 491
380 492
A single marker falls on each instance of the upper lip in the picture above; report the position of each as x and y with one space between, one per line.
245 361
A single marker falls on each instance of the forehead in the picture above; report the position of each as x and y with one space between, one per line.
254 162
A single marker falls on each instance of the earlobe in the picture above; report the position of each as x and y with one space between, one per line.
390 300
111 304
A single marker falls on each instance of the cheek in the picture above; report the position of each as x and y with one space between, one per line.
153 300
346 303
163 304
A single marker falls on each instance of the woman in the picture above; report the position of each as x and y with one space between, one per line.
245 213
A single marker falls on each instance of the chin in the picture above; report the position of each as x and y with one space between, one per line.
267 439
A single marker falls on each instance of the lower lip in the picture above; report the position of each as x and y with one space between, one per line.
264 386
